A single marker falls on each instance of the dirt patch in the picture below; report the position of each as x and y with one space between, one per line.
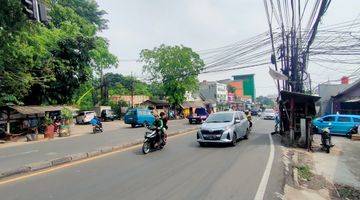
347 192
335 150
307 184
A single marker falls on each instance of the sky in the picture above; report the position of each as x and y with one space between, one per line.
203 24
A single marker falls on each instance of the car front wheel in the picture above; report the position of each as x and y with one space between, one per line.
246 136
234 140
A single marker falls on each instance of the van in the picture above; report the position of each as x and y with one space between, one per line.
107 115
138 116
85 117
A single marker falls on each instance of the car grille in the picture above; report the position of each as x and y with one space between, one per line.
212 135
215 132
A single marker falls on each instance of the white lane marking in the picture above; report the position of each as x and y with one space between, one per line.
264 180
19 154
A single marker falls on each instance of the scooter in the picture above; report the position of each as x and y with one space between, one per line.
97 129
326 139
151 140
353 130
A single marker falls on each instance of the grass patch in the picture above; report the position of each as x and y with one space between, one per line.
347 192
304 172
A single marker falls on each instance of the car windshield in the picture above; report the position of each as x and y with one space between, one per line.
269 111
220 118
200 111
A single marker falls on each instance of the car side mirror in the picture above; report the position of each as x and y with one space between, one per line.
237 121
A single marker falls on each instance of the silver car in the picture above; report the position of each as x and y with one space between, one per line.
224 127
269 114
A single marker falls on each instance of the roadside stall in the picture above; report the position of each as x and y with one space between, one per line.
29 121
190 106
297 111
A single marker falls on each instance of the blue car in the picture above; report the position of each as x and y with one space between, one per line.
338 124
138 116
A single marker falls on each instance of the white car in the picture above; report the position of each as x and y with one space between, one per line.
269 114
224 127
85 117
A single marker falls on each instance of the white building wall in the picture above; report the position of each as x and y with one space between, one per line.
214 90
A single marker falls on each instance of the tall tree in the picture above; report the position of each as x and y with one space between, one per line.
175 68
47 64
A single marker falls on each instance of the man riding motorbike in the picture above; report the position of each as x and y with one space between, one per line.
96 123
158 126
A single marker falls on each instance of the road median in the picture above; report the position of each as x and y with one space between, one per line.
43 165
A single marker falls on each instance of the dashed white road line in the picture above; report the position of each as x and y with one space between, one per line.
265 178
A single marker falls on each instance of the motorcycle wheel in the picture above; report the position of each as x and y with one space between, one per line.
94 130
327 149
146 147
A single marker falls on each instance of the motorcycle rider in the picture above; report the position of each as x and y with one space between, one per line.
96 122
248 117
158 126
164 120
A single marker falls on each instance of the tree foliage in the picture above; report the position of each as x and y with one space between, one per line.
122 85
265 101
231 89
175 68
47 64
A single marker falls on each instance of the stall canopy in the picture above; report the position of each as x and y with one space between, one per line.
33 110
193 104
30 110
300 100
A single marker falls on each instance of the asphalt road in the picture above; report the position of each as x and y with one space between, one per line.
17 156
183 170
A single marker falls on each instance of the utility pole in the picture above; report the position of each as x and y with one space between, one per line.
132 90
101 86
273 58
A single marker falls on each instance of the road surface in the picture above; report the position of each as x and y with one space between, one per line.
183 170
17 156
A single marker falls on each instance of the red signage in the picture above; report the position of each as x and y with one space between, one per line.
231 97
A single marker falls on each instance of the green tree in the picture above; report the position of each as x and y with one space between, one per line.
47 64
87 9
231 89
265 101
122 85
174 67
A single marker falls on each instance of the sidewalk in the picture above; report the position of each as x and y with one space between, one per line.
318 175
115 134
342 165
76 130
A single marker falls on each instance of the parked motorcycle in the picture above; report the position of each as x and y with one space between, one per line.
97 129
151 140
353 130
326 139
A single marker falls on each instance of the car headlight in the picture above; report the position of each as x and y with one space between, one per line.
198 135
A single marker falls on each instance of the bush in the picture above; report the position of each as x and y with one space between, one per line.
47 120
116 107
304 172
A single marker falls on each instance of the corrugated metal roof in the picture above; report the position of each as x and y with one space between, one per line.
30 110
194 104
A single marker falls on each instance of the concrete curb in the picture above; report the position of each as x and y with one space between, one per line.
37 166
295 160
